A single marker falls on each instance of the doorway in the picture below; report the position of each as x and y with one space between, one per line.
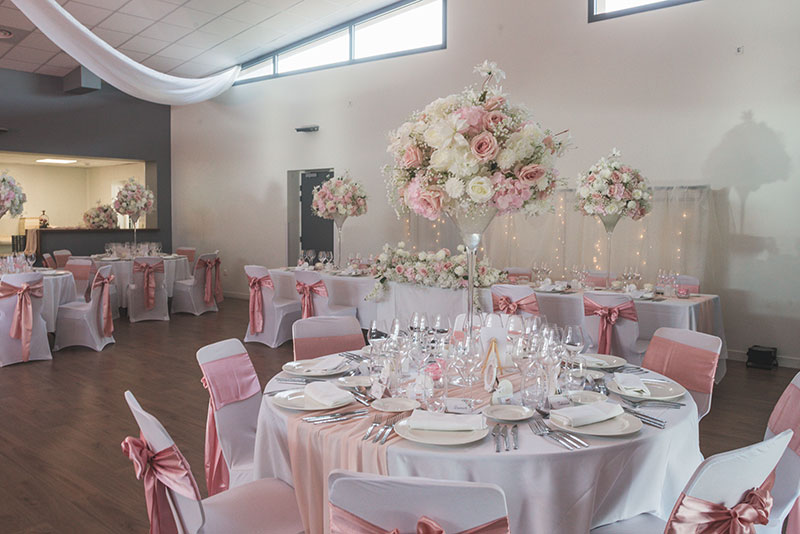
306 230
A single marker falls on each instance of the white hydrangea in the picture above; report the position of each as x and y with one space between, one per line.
454 187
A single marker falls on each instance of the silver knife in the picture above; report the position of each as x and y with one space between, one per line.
504 433
343 418
312 418
496 436
515 435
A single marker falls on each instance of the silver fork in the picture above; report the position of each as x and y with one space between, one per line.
653 403
541 429
396 419
496 436
387 425
375 423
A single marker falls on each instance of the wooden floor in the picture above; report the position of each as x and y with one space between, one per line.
61 422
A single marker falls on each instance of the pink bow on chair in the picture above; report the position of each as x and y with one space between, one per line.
149 284
213 286
160 470
22 324
608 318
305 291
108 321
344 522
504 304
256 302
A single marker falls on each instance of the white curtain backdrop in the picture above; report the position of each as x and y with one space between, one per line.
115 67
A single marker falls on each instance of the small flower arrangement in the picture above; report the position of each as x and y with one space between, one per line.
613 188
100 217
11 196
472 151
341 196
134 200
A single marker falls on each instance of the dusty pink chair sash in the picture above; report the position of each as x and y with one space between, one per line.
107 326
213 285
189 253
519 278
227 380
160 470
691 288
62 259
691 367
344 522
256 302
608 318
49 261
504 304
22 323
697 516
786 415
307 302
79 272
149 280
306 348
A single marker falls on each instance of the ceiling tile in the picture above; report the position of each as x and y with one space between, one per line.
314 9
87 15
188 18
63 60
162 63
4 48
286 21
17 65
193 69
13 18
136 56
217 7
149 9
177 51
201 40
277 5
107 4
112 37
29 55
38 40
123 22
225 27
50 70
235 48
144 44
250 12
165 32
260 34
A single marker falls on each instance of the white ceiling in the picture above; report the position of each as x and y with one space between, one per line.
189 38
26 158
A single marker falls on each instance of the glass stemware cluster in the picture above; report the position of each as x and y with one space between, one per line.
17 263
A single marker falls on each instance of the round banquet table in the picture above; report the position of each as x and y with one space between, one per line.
58 289
548 489
175 268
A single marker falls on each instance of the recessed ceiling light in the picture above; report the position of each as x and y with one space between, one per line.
56 160
6 34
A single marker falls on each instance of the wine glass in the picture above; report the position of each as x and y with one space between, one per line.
311 255
493 320
573 339
515 327
30 259
440 327
376 332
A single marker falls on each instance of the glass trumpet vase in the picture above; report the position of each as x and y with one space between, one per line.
338 220
609 222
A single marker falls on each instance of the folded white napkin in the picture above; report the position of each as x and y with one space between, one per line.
546 285
631 384
630 288
591 361
326 393
422 420
586 414
324 363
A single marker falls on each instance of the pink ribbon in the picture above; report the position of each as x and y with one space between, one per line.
160 470
608 318
213 286
506 305
691 367
256 302
519 278
108 321
697 516
149 278
305 291
306 348
49 261
344 522
22 323
786 416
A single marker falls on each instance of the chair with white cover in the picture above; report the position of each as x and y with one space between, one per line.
690 358
112 293
362 503
689 283
147 293
519 275
264 506
82 271
62 257
198 294
786 492
48 261
21 302
319 336
314 297
234 400
562 311
730 479
613 324
88 324
271 316
514 299
190 253
598 278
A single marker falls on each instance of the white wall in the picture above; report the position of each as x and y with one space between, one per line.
665 86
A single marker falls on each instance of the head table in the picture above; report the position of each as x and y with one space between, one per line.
548 489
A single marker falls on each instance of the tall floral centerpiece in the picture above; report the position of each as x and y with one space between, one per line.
100 217
338 199
134 200
612 190
473 155
11 196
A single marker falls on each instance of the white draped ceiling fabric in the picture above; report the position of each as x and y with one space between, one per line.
115 67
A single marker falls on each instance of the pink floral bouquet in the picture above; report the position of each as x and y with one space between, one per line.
472 151
340 196
134 200
100 217
613 188
11 196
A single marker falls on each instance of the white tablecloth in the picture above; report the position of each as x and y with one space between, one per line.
174 269
548 489
58 289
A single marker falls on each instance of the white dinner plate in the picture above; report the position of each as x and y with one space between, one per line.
611 362
594 374
507 412
295 399
439 437
621 425
586 397
659 390
57 273
354 381
43 270
396 405
304 368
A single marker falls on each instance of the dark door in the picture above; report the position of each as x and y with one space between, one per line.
315 232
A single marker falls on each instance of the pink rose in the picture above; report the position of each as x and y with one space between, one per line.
616 191
399 269
473 116
492 119
424 201
412 157
530 173
549 144
484 146
494 103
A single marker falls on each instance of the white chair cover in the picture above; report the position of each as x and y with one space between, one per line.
564 312
61 256
10 348
137 310
626 332
399 502
188 296
82 271
323 306
514 292
279 312
80 323
190 253
114 295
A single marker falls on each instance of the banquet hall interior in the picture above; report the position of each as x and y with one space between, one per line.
381 266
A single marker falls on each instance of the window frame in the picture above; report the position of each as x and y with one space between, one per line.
350 25
595 17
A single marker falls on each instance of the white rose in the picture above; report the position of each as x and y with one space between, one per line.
383 257
454 187
584 191
422 256
588 209
611 209
443 159
637 194
444 132
401 244
480 189
441 255
506 158
605 173
631 204
459 270
626 178
461 248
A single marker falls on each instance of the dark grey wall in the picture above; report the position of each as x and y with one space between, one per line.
40 117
